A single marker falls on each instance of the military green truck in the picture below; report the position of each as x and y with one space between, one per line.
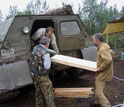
16 46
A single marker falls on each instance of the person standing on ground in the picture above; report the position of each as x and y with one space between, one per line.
46 32
40 64
104 70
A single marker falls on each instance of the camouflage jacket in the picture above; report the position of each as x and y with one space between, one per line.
36 61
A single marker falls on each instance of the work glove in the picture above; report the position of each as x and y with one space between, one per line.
54 53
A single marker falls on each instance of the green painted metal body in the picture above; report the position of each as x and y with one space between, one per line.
12 33
69 31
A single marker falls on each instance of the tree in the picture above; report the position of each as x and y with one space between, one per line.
113 13
101 16
63 4
1 16
95 16
88 11
45 6
34 7
24 13
12 12
37 7
122 12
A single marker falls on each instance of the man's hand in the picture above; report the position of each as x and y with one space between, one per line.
98 70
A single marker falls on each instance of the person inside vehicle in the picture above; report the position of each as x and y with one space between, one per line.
46 32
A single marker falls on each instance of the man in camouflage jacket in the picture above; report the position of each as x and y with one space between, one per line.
40 65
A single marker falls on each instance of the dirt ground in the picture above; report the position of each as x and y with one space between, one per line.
114 91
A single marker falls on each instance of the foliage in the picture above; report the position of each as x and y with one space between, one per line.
116 41
12 12
1 16
96 15
33 8
122 12
24 13
37 7
89 9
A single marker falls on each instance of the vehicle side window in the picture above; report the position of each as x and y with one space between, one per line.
69 28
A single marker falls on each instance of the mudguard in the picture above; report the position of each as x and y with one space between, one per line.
90 53
14 75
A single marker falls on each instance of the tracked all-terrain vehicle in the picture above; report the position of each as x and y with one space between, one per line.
16 46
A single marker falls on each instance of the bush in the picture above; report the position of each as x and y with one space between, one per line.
116 41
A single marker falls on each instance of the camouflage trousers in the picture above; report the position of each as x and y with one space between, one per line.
44 91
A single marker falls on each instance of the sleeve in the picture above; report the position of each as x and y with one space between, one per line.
38 34
107 59
46 61
54 44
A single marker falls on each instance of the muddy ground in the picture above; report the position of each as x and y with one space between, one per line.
114 91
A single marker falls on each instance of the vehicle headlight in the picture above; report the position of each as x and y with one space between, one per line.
25 30
6 45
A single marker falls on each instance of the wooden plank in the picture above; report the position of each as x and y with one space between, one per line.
75 62
73 92
77 89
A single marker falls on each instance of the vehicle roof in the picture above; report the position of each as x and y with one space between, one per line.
4 27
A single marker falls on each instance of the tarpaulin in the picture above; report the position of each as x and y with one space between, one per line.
114 27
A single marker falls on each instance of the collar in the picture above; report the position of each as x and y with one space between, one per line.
100 46
42 46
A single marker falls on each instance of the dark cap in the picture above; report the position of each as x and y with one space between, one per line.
44 40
